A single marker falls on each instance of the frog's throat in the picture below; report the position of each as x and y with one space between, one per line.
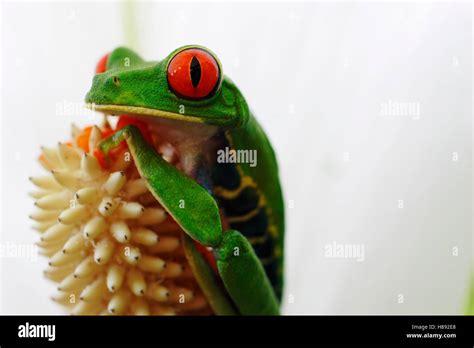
139 110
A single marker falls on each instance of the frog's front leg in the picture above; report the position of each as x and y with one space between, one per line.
240 269
193 208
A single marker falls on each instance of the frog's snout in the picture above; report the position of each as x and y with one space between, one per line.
105 88
110 81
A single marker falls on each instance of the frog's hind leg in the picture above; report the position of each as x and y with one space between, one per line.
244 276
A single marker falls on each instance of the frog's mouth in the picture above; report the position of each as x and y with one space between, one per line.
188 136
111 109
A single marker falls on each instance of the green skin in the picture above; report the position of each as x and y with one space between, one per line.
134 87
470 299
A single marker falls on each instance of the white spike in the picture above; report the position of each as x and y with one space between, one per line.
90 165
151 264
131 255
136 282
86 268
115 277
120 231
94 291
152 216
43 226
58 273
74 214
165 245
75 131
54 201
66 298
57 231
94 138
45 164
144 236
66 178
130 210
51 155
71 283
74 244
49 250
104 251
119 302
108 205
86 195
68 156
60 259
115 183
135 188
86 308
46 244
94 227
158 292
39 194
45 182
173 270
44 215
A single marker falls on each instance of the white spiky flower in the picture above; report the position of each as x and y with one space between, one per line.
112 248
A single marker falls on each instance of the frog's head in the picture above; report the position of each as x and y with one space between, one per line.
188 85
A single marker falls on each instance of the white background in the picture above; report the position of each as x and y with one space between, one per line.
317 76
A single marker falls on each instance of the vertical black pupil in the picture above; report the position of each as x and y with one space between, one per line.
195 72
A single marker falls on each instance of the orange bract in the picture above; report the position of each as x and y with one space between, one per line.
83 139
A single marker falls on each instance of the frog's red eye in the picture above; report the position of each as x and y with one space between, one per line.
194 74
102 64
